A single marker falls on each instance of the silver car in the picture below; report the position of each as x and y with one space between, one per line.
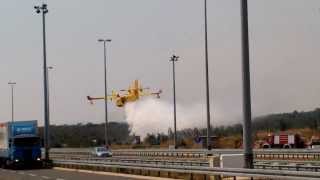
101 152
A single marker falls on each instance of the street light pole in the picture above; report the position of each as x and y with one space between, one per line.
12 103
105 89
247 131
173 59
48 85
43 9
207 77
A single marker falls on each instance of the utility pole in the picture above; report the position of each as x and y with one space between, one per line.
207 77
174 59
43 9
105 89
12 102
247 131
48 81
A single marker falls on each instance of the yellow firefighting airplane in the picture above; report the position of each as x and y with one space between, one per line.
134 92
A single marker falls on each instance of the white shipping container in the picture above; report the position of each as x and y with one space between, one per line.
4 136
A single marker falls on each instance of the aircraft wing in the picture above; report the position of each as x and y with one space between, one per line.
91 99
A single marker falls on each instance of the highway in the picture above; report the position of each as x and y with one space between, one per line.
181 163
63 174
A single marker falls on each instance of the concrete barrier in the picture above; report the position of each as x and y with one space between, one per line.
231 161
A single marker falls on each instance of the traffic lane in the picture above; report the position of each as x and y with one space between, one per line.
15 175
58 174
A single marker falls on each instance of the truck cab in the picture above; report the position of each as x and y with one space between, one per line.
20 144
284 140
25 149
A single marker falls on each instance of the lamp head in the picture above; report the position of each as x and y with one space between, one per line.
37 8
104 40
174 58
43 8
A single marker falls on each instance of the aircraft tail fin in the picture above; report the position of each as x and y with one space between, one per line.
90 99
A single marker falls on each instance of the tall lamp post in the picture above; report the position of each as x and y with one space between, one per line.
43 10
12 103
48 82
247 131
207 77
105 89
173 59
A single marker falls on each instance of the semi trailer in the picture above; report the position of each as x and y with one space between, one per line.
19 144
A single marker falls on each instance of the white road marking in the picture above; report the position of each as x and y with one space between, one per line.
45 177
22 173
32 174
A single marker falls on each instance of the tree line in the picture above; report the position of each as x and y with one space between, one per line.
86 135
272 123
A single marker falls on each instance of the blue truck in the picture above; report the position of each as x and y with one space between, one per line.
19 144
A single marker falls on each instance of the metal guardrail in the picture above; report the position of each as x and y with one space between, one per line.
288 155
288 167
283 154
192 170
135 161
193 151
279 161
264 164
90 156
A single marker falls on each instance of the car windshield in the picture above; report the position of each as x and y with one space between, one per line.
29 141
101 149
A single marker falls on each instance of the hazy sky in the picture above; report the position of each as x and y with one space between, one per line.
284 41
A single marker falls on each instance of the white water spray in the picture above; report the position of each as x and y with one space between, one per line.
156 116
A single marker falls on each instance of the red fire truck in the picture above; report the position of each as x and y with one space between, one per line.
284 140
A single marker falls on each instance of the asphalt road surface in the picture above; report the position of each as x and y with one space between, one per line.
61 174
